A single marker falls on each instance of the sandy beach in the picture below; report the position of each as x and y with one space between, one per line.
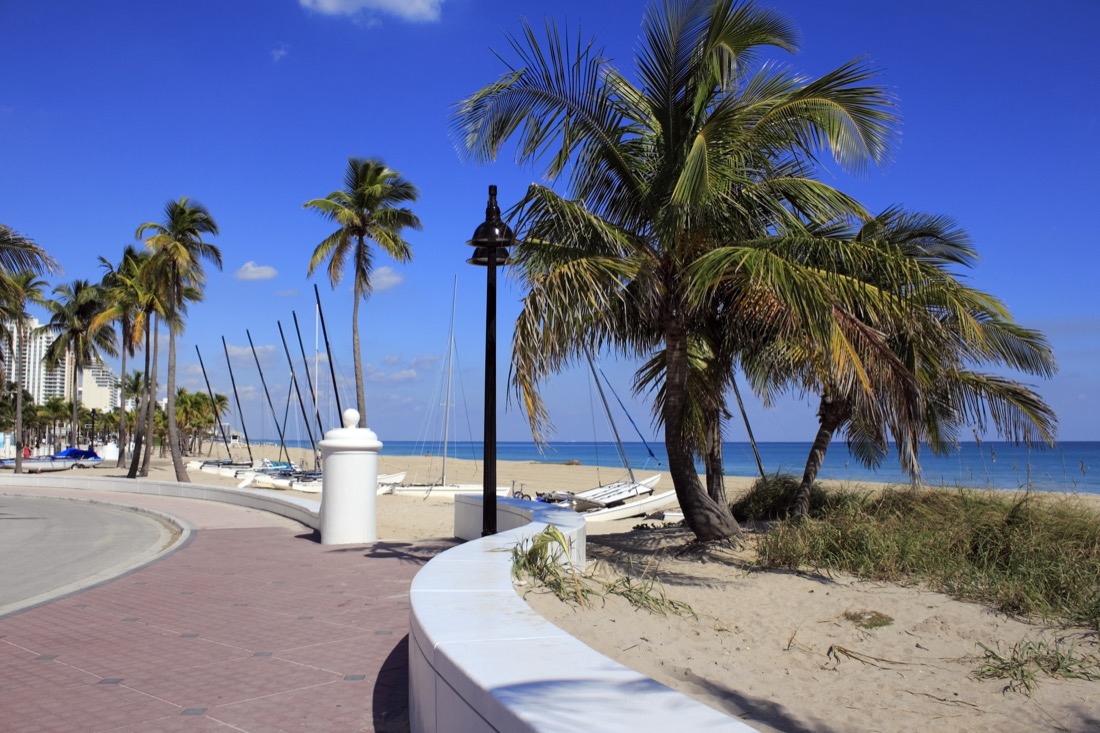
779 650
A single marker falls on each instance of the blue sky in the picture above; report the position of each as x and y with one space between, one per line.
252 107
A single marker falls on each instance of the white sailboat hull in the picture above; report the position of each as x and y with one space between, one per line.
638 508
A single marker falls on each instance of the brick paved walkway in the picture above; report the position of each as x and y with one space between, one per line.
244 629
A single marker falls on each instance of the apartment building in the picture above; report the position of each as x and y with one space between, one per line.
99 389
41 382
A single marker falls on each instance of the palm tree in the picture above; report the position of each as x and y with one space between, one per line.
919 382
54 413
121 290
149 291
704 151
368 209
20 254
24 288
178 246
74 312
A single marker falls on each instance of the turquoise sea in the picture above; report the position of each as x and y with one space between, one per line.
1070 466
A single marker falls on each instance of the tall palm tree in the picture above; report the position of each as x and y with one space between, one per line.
704 150
74 311
368 209
24 288
177 244
150 292
122 293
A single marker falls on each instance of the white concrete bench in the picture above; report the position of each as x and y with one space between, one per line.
480 659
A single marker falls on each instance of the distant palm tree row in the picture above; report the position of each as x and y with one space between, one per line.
155 284
148 286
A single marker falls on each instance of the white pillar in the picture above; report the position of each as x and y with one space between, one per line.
349 484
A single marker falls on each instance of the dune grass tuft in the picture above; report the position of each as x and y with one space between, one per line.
1025 554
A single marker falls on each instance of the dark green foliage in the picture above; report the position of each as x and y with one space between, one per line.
771 497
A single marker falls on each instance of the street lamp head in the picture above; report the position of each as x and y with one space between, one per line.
492 236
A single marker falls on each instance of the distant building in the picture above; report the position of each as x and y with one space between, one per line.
41 382
100 388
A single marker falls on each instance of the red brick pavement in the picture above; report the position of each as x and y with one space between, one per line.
246 629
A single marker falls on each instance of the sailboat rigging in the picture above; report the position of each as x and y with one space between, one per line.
620 499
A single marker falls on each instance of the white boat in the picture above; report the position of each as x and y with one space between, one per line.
618 500
441 487
66 460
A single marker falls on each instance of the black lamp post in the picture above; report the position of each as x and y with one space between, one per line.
91 441
492 239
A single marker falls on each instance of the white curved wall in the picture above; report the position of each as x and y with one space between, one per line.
481 660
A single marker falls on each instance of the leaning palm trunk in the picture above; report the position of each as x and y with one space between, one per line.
831 414
708 519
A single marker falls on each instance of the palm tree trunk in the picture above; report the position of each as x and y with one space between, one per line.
139 413
151 407
122 411
21 335
708 519
360 394
174 444
716 473
831 414
73 431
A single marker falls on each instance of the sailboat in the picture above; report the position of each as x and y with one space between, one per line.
629 497
442 486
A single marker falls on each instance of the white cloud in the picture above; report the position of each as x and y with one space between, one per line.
425 362
410 10
243 354
251 271
279 52
385 278
292 292
404 375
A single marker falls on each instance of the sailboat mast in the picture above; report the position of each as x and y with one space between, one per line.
297 391
270 404
214 405
447 391
237 397
309 377
328 350
607 410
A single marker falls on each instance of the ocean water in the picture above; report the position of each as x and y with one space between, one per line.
1069 466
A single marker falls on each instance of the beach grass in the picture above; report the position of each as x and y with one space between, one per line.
1026 554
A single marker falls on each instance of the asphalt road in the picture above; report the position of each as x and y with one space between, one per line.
51 547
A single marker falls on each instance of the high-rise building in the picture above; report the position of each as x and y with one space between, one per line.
40 381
